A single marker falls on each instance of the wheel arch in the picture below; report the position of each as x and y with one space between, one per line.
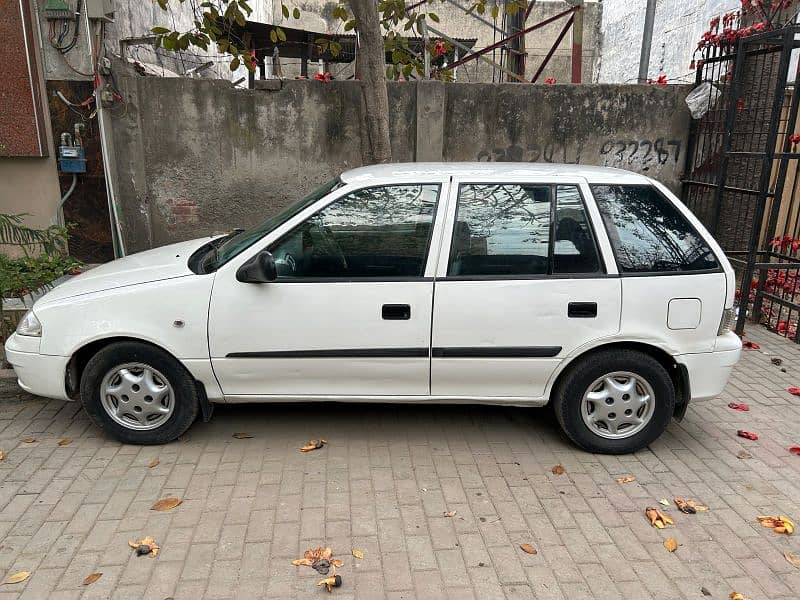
80 358
677 372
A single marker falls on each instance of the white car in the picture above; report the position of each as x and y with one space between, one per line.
593 289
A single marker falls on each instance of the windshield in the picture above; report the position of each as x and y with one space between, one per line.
241 241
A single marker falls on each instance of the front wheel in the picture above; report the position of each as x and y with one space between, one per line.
138 393
615 401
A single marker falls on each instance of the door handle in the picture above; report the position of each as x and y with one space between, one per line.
582 310
396 312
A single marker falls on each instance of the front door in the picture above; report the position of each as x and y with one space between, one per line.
520 285
350 312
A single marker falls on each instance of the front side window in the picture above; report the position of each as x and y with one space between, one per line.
648 233
521 230
374 232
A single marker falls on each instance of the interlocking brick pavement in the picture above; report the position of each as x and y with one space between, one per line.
383 484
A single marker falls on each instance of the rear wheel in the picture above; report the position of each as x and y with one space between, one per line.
138 393
615 401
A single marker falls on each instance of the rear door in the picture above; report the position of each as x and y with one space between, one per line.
520 283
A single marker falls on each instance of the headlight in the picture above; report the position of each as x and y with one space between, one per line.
727 321
29 325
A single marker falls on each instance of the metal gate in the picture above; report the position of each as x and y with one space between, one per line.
742 173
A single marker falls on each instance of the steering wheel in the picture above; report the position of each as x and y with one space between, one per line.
333 247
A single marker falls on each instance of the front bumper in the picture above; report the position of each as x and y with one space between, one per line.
709 371
38 374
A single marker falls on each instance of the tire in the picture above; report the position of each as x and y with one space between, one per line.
631 371
139 420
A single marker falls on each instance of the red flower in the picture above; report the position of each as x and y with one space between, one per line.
439 48
550 80
324 77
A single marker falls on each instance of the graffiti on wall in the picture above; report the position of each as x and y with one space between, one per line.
637 155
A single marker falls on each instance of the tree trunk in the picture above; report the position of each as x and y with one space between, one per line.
372 72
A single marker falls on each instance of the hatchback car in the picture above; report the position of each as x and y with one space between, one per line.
592 289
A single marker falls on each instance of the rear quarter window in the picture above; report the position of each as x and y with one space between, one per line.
648 233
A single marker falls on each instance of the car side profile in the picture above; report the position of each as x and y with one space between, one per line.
592 289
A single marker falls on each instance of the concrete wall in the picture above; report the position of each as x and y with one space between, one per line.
677 29
194 157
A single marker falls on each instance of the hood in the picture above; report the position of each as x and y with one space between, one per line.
166 262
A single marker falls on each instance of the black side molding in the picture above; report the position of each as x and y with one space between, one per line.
498 352
337 353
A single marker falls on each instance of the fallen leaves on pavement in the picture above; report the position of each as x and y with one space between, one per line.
689 507
153 463
750 345
166 504
743 454
739 406
17 577
793 558
776 361
671 544
558 470
528 548
664 501
313 445
242 436
794 391
738 596
792 449
331 582
657 518
320 559
2 455
144 546
28 440
450 513
747 434
626 479
778 524
65 442
357 553
90 579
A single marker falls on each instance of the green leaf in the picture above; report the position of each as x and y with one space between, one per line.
163 4
235 63
336 48
245 6
434 17
390 72
160 30
296 13
281 34
273 36
495 11
240 20
481 9
321 42
169 43
512 8
350 25
285 11
222 45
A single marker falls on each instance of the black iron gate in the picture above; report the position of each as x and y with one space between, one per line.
742 173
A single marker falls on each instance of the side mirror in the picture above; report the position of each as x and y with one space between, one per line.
259 269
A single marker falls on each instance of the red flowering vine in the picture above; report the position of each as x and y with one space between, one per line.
550 80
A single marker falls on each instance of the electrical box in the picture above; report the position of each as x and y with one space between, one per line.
57 9
99 9
71 159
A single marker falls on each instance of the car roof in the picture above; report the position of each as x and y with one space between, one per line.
421 170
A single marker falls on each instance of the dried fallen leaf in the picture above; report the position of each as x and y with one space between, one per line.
90 579
738 596
28 440
558 470
657 518
450 513
166 504
792 558
153 463
671 544
705 591
331 582
664 501
357 553
17 577
528 548
743 454
242 436
318 553
778 524
302 562
2 455
65 442
626 479
144 546
337 563
684 506
313 445
776 361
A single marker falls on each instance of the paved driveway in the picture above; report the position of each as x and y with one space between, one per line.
383 486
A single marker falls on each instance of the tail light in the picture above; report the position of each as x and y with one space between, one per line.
727 321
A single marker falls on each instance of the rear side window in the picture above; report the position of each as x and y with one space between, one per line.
648 233
521 230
